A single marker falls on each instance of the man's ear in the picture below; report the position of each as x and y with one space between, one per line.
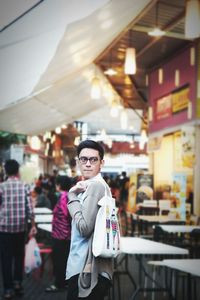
102 162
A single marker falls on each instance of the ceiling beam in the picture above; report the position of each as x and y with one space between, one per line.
126 29
154 40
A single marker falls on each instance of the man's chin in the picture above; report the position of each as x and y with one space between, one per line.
88 175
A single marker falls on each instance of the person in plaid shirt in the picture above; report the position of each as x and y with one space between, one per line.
15 210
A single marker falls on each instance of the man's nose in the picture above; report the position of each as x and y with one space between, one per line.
88 163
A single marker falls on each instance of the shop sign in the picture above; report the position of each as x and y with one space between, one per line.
144 187
188 146
178 195
180 100
163 107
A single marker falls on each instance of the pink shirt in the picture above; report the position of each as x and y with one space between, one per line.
61 225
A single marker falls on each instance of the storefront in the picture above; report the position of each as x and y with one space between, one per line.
174 130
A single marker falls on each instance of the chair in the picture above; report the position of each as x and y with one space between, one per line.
45 252
164 206
195 243
123 222
194 220
149 207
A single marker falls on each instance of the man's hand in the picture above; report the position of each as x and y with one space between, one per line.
79 187
33 231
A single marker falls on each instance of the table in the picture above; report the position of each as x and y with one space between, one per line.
42 210
46 227
140 247
189 266
158 219
178 228
146 220
136 245
43 218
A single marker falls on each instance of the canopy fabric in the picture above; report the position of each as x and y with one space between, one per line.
46 60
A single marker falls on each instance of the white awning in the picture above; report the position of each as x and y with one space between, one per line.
46 59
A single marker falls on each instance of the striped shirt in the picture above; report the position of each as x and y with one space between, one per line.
61 225
15 205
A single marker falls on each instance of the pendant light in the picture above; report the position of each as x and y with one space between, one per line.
96 88
114 111
156 31
192 19
130 59
110 71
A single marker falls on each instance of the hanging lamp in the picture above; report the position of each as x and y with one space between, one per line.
156 31
96 88
130 59
114 111
110 71
192 19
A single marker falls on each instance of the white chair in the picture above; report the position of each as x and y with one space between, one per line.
164 206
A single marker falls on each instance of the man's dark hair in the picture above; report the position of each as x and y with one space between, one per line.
64 182
11 167
92 145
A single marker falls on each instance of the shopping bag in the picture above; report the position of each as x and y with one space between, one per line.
106 239
32 256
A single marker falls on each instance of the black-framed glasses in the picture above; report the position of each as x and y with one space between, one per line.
84 159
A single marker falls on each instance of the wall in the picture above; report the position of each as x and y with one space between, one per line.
188 75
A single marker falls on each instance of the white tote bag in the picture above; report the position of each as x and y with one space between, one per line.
106 239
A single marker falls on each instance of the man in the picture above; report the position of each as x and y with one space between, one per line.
15 209
88 277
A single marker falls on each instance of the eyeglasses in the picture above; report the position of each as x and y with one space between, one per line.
93 160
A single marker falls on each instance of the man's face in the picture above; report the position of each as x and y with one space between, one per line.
89 168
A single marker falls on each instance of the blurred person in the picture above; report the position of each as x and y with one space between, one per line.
88 277
52 179
61 234
15 210
114 187
41 200
51 194
38 181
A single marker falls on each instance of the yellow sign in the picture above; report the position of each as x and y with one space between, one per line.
180 100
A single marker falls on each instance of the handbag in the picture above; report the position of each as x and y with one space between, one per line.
32 256
106 239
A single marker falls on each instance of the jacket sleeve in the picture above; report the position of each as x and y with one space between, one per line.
84 214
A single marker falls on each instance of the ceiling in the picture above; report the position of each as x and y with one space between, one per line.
50 54
151 52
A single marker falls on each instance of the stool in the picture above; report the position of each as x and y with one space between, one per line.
45 253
